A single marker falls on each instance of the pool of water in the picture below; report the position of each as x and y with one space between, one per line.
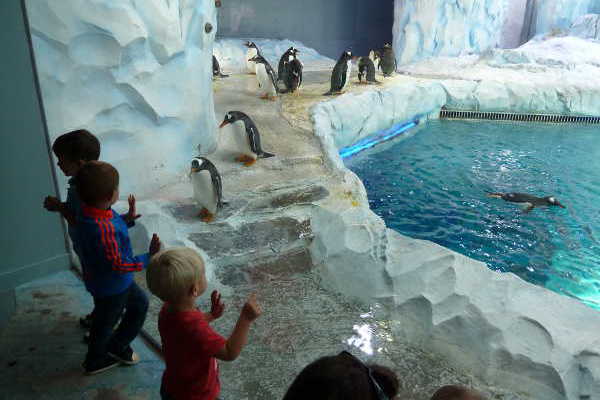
432 185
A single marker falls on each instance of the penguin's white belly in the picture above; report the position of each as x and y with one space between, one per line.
251 65
372 56
264 80
348 74
204 193
241 143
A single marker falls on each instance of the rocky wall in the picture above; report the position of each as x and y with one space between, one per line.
137 73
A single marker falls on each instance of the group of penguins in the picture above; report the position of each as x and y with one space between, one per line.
206 180
289 71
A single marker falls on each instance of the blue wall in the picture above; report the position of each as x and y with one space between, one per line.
32 241
329 26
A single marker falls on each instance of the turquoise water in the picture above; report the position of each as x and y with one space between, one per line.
431 185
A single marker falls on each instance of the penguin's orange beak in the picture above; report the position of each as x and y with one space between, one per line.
224 123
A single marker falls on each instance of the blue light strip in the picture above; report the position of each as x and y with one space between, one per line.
377 138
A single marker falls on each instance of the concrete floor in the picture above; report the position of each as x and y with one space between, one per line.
41 349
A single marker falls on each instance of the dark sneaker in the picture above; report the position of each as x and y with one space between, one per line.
127 356
86 322
98 366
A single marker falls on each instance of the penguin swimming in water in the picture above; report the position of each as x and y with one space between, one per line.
293 74
252 52
247 137
528 200
283 64
267 80
341 73
217 69
388 60
208 189
366 69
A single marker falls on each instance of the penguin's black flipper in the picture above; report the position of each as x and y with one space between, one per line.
528 209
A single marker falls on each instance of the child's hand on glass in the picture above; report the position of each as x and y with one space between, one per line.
131 215
154 245
217 306
251 309
51 203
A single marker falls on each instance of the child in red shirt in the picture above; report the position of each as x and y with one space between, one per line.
189 344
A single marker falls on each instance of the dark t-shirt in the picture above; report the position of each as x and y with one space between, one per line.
189 346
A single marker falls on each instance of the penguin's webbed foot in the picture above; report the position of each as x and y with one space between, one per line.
208 219
245 159
206 216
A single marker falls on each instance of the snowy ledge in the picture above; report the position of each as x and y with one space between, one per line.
509 332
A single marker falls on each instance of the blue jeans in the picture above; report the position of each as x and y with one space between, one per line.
107 311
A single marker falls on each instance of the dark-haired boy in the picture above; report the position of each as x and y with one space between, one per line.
73 149
108 266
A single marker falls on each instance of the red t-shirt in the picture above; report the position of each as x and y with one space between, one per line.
189 345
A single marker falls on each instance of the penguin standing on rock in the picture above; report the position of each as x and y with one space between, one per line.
246 137
375 57
208 189
283 64
293 74
366 69
267 80
217 69
388 60
252 52
341 73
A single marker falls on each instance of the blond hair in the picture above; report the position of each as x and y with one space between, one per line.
172 273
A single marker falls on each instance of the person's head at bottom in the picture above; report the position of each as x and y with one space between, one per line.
456 392
343 377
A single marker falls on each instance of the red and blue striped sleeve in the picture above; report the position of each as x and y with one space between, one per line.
121 257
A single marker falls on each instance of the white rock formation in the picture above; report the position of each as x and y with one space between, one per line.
344 121
430 28
587 27
137 73
231 54
557 15
427 28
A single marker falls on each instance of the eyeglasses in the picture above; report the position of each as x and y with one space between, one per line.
378 390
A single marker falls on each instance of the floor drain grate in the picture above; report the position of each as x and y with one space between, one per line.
499 116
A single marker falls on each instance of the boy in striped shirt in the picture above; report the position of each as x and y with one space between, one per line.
108 266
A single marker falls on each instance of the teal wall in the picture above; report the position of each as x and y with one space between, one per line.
32 241
329 26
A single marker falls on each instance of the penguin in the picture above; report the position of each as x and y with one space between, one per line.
247 137
267 80
375 56
528 200
366 68
341 73
283 64
208 189
293 76
217 69
388 60
252 52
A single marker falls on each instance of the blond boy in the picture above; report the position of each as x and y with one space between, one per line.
190 345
